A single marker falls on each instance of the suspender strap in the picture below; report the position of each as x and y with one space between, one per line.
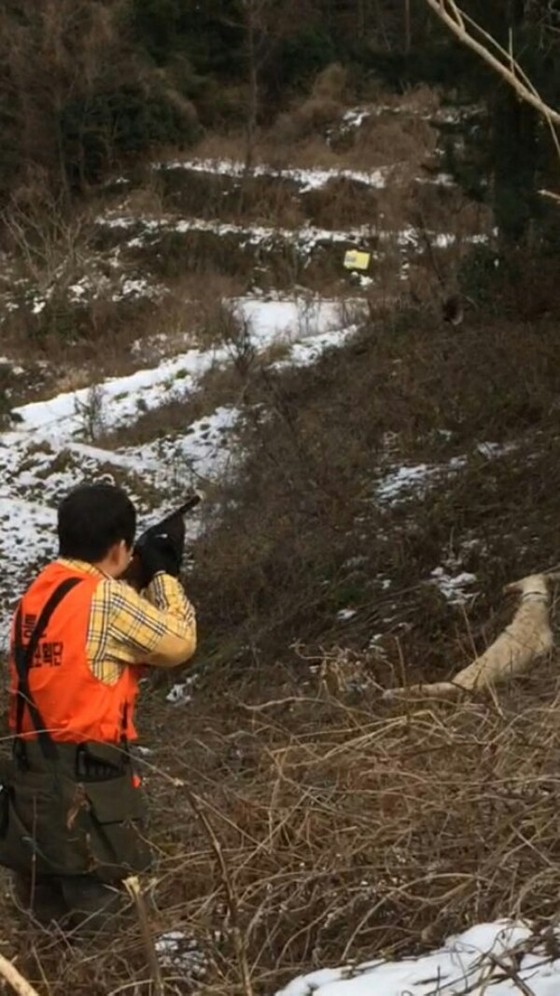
124 726
23 657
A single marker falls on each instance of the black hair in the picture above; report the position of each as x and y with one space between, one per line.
92 518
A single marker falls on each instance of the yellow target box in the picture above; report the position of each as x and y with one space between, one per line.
356 260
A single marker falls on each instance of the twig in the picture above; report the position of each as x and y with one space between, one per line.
132 886
289 700
550 194
238 938
15 979
512 974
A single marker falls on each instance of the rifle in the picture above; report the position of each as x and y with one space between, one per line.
174 524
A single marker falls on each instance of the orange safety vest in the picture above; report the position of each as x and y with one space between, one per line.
74 705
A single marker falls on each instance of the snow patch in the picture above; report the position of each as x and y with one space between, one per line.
201 452
403 482
181 954
303 354
180 693
452 586
304 239
306 179
344 615
355 117
286 319
465 964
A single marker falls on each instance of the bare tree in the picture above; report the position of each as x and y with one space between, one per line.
407 27
265 23
503 62
255 15
52 53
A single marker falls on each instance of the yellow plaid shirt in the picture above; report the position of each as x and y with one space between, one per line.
157 627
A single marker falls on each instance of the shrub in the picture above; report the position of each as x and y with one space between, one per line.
320 109
75 95
96 131
304 55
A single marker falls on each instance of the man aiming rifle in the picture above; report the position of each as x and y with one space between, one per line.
71 805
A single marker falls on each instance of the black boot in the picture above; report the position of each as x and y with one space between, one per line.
41 899
93 906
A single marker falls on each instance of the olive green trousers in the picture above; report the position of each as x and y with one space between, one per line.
78 903
77 819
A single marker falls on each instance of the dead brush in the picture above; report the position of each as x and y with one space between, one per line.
370 833
148 198
270 201
342 202
224 326
447 211
344 834
48 243
422 100
187 314
311 118
392 138
199 194
321 108
305 533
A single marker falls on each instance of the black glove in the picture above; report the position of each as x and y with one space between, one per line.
160 548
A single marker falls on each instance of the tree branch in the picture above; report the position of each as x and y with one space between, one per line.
509 69
239 939
14 979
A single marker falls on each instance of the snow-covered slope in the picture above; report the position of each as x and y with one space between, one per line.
50 448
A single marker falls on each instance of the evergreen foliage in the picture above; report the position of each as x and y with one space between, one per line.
85 84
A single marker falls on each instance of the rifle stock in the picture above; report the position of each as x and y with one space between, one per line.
175 524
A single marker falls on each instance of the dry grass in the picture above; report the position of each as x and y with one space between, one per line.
389 139
400 137
355 834
255 199
384 139
63 298
312 134
225 384
191 311
328 832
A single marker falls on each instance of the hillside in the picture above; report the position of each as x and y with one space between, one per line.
373 477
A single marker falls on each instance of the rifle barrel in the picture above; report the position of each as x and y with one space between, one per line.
191 502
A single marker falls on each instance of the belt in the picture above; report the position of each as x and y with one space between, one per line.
91 767
89 761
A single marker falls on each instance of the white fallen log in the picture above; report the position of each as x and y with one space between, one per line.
527 639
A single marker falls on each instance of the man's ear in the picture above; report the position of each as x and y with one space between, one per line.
117 551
